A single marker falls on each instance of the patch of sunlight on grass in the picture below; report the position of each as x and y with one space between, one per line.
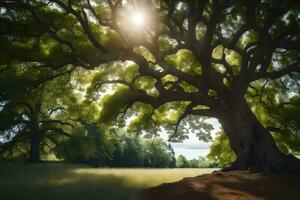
62 181
144 178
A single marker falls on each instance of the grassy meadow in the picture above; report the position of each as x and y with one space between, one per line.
62 181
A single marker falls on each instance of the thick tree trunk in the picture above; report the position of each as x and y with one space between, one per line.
35 142
253 145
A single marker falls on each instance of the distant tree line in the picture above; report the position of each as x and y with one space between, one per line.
119 149
99 149
201 162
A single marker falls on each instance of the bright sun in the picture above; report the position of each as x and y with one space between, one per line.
137 19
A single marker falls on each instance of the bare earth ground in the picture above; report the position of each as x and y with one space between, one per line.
238 185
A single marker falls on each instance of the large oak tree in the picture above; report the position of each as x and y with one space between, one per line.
194 57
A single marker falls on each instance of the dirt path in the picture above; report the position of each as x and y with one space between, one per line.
238 185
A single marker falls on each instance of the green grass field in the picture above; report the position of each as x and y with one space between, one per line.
74 182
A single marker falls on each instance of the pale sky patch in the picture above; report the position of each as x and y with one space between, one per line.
192 147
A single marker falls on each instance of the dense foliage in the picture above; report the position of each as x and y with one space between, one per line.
119 149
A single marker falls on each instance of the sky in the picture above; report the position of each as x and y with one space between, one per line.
192 148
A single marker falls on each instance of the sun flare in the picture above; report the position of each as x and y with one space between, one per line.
138 19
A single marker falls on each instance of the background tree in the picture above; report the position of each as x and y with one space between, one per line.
29 110
192 58
158 154
182 162
88 144
220 151
132 150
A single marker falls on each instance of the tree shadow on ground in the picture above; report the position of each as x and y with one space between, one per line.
63 184
227 186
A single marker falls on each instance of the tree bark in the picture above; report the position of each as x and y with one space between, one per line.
253 145
35 142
